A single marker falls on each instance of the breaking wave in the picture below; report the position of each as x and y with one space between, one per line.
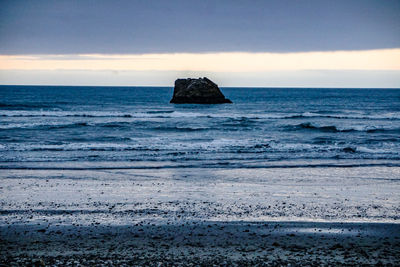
336 129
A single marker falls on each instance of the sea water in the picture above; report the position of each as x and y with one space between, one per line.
263 126
120 155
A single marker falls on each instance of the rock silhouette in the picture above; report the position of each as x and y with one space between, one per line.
197 91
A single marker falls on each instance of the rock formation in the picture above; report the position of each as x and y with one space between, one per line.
197 91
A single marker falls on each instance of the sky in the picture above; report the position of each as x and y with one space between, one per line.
307 43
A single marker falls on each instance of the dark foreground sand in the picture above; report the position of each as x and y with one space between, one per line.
200 217
202 244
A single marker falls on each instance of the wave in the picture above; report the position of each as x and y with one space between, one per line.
56 113
310 126
166 147
160 111
383 130
42 126
241 122
52 126
99 139
119 124
71 125
180 114
222 165
179 129
25 106
84 147
335 129
385 116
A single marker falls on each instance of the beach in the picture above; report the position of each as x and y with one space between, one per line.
118 176
203 244
199 133
134 216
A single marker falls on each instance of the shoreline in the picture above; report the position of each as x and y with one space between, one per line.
195 164
202 243
200 217
123 196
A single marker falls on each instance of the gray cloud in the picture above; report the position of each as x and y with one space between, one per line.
88 26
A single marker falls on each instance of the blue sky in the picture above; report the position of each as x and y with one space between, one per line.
66 30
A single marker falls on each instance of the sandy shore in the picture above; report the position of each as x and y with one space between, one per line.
223 217
206 244
126 196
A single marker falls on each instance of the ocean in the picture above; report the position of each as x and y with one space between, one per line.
264 127
274 154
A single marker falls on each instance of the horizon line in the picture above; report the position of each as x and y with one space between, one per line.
235 87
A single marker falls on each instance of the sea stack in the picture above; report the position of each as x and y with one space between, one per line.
197 91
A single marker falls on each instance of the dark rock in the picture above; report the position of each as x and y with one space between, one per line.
336 246
197 91
276 244
349 150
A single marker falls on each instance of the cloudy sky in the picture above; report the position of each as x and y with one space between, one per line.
302 43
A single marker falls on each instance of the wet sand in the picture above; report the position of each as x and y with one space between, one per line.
223 217
126 196
204 244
